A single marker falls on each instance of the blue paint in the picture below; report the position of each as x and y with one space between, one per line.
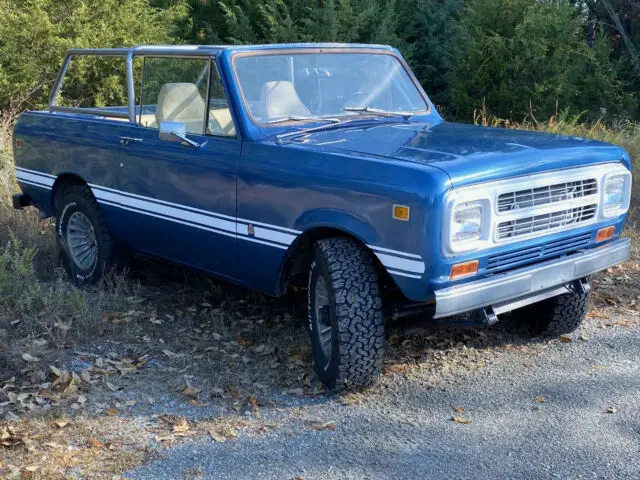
194 206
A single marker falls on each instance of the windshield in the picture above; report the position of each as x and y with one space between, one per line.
281 87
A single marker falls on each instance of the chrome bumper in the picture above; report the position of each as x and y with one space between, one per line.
529 284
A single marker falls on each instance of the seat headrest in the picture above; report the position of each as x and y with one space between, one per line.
180 102
280 99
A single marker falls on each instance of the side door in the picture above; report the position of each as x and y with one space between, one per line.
180 195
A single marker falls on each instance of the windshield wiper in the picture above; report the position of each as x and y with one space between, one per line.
335 123
299 118
378 111
290 118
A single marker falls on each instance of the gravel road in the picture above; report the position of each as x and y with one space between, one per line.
541 412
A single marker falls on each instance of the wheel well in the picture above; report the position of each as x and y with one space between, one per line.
63 182
296 266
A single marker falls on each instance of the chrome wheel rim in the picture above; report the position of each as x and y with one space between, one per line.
81 241
322 317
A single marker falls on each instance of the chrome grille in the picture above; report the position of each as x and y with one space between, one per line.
534 197
548 221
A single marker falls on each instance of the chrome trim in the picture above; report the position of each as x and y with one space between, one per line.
180 51
102 112
131 96
529 281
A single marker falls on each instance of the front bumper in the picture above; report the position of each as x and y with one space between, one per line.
533 283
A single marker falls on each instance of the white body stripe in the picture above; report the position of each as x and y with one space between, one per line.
155 200
47 187
20 175
267 234
164 210
394 252
35 172
284 229
398 263
403 274
175 220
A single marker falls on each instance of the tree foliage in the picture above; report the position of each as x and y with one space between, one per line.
516 57
35 35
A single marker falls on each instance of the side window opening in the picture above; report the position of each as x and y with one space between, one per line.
220 121
174 90
96 82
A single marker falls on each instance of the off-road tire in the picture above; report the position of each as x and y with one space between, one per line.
354 312
557 315
79 198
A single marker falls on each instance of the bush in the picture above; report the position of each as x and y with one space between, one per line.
35 35
528 57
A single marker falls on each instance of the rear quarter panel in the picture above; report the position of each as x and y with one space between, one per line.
57 144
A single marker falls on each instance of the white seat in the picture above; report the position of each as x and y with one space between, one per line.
280 100
223 118
181 102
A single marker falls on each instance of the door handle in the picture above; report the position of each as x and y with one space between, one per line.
128 140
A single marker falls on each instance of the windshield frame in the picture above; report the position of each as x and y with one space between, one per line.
321 50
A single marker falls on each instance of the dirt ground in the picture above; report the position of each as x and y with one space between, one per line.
180 358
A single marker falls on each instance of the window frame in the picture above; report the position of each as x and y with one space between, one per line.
176 51
208 58
100 52
319 50
214 62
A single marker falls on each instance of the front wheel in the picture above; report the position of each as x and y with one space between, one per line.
557 315
346 321
85 244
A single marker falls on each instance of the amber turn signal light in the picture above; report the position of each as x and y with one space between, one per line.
605 234
401 212
466 269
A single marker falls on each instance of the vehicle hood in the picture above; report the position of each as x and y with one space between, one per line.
467 153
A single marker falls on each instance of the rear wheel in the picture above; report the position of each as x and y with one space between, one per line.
346 321
558 315
85 244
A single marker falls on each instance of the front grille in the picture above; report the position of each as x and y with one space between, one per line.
523 256
534 197
548 221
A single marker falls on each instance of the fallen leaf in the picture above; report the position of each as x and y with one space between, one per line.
459 409
191 392
111 386
56 446
111 412
541 399
29 358
316 425
459 419
62 423
565 339
196 403
181 426
94 442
